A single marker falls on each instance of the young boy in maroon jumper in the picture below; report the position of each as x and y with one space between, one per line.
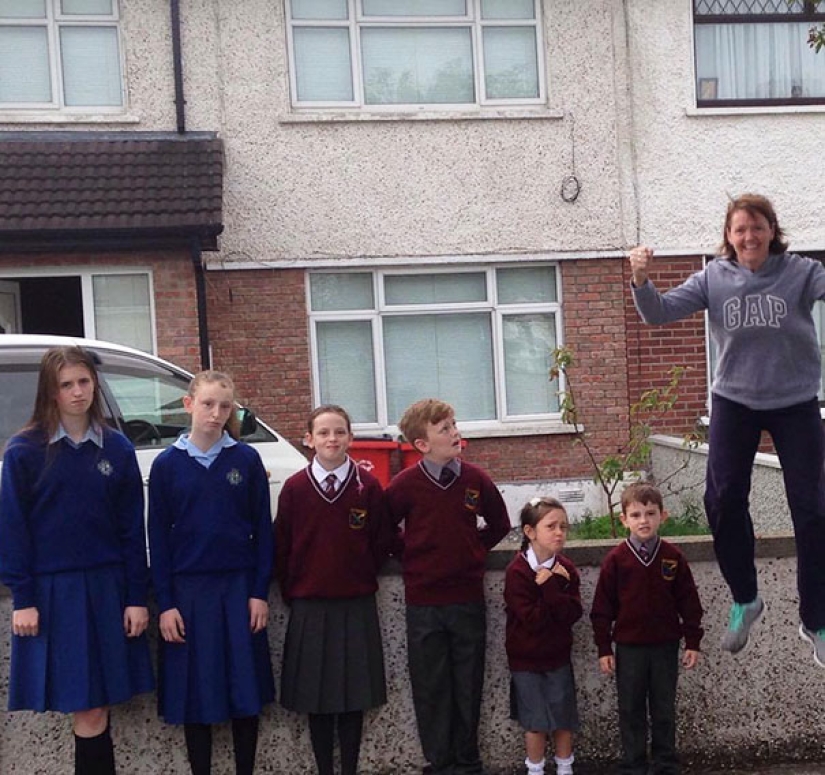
646 601
453 515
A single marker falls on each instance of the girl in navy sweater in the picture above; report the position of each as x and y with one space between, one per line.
210 541
73 553
541 593
332 536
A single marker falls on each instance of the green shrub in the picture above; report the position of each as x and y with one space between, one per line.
689 522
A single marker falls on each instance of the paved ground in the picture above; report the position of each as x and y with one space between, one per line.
788 769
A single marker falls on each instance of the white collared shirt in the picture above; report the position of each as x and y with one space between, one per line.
534 563
319 473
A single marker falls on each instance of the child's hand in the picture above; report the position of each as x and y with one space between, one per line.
25 622
542 574
171 626
560 570
135 620
689 659
607 664
258 614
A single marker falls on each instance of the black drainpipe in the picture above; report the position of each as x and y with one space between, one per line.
200 289
177 59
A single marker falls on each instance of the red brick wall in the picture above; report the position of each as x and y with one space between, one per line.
176 313
259 332
653 350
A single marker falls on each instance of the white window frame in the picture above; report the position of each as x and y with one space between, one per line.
356 21
503 424
86 276
53 22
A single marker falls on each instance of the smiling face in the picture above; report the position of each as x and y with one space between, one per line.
210 407
330 438
75 392
443 442
549 534
643 520
750 234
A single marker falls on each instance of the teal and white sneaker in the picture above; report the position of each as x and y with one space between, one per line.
742 618
817 639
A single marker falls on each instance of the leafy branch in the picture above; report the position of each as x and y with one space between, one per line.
633 454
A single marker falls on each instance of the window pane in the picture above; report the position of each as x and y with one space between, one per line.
22 9
122 310
757 61
415 8
524 286
448 356
529 341
407 66
323 71
319 9
508 9
510 62
435 288
346 367
91 66
341 291
87 7
24 65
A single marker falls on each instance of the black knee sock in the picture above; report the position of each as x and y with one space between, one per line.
245 740
322 734
199 747
94 755
349 738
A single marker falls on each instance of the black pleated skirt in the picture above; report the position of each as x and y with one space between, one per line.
333 659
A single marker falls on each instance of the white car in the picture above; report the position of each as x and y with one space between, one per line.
143 398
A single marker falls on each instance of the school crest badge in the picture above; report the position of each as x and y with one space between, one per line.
357 518
669 569
471 498
105 467
234 477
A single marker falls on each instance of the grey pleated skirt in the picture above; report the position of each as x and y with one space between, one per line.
333 658
544 702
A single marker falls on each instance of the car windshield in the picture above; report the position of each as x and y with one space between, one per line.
16 399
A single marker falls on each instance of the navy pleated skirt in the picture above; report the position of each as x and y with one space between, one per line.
223 670
333 658
81 658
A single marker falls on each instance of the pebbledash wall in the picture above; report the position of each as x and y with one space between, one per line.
763 706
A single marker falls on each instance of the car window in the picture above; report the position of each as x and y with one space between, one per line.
16 399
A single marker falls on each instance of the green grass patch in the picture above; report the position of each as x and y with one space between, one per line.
689 523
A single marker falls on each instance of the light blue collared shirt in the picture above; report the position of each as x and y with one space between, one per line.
434 470
204 458
93 433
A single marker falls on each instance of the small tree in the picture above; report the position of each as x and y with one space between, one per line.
633 454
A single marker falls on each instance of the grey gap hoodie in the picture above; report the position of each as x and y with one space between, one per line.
768 354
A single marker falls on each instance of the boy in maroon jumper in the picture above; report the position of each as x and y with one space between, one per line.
646 601
453 515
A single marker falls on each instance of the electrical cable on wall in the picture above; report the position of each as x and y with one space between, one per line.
570 186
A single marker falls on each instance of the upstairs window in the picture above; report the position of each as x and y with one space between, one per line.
756 52
376 54
62 54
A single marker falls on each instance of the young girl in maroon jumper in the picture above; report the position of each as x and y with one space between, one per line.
541 593
332 536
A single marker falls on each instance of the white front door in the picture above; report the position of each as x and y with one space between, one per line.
10 318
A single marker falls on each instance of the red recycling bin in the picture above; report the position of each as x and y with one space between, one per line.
375 456
410 455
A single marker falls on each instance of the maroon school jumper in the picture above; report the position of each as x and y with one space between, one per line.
638 603
447 532
540 617
330 547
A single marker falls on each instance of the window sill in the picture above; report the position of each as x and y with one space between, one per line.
42 117
343 116
481 431
756 110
